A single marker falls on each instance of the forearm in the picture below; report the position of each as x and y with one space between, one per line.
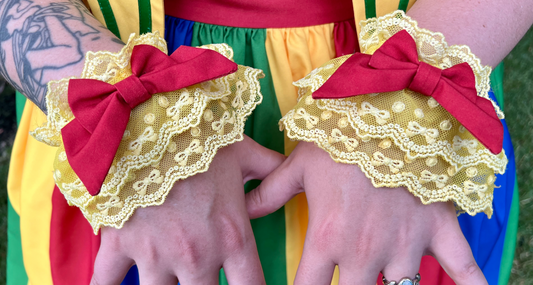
47 40
491 30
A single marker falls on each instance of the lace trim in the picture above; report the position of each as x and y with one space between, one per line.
432 48
171 136
402 138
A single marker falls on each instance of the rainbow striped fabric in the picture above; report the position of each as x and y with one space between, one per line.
49 242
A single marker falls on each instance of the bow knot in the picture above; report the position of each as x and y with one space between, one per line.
194 147
395 66
114 202
310 120
471 187
426 79
132 91
337 136
102 110
459 143
440 180
154 177
381 159
414 128
381 115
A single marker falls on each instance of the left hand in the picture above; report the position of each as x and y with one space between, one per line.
360 228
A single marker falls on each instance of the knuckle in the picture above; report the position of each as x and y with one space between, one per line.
467 270
324 235
189 252
233 233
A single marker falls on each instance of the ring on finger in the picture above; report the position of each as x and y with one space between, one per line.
403 281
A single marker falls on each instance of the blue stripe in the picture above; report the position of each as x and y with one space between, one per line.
487 236
177 32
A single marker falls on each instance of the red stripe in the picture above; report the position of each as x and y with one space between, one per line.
73 246
430 273
261 13
345 37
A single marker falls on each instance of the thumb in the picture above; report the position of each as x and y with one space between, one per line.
275 190
256 160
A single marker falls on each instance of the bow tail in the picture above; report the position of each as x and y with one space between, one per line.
483 125
91 155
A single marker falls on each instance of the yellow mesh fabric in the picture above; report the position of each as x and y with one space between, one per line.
402 138
169 137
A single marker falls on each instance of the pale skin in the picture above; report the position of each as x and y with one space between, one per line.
203 225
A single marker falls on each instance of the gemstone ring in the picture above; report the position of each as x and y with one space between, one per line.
403 281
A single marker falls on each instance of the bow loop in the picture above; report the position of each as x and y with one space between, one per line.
102 110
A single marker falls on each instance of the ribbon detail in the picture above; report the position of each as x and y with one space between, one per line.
395 66
471 187
102 110
381 159
440 180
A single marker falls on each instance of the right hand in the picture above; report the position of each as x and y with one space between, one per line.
202 226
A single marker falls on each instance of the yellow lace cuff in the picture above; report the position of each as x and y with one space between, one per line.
402 138
171 136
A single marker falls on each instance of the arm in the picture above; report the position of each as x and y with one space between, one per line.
47 40
491 30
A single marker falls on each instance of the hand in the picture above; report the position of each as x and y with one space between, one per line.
202 226
362 229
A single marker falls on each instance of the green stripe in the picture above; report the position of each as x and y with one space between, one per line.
370 8
16 273
509 245
403 5
20 102
496 82
109 17
249 49
145 16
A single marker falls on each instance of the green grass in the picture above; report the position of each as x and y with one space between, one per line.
7 134
518 88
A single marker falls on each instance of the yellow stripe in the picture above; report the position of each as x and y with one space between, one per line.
292 54
158 17
383 7
95 10
127 17
30 188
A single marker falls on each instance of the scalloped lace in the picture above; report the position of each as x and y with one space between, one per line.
171 136
402 138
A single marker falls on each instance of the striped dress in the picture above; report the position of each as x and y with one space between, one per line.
50 242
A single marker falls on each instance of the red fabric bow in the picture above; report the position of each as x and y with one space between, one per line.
102 110
395 66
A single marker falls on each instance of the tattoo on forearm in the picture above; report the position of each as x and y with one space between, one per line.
38 40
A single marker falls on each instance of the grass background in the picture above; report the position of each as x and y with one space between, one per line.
518 88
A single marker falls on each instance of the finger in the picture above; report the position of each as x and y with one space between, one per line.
314 268
110 267
275 190
258 161
148 275
350 274
406 267
451 249
244 268
205 276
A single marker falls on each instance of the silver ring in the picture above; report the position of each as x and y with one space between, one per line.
403 281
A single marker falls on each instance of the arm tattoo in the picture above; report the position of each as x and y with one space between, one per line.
38 40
